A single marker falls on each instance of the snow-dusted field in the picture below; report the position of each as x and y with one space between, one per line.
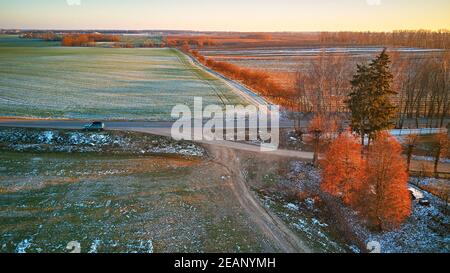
103 83
310 51
293 59
116 193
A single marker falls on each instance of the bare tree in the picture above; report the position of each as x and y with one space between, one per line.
323 87
440 150
411 142
422 84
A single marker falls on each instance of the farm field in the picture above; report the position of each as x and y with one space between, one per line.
282 63
15 41
117 192
118 204
290 59
100 83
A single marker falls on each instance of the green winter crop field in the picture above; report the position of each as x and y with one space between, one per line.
41 79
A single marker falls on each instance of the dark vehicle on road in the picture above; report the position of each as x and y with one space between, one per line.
95 126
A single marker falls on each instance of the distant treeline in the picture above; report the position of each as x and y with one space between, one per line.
91 39
47 36
87 39
399 38
197 41
72 39
404 38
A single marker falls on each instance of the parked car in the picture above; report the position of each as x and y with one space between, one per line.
95 126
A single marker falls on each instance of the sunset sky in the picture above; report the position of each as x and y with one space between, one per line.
227 15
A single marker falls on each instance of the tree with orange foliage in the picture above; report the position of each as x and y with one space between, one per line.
342 169
185 47
67 41
258 80
385 199
87 39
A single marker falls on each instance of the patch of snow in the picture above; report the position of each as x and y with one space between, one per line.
309 202
292 206
355 249
23 246
46 137
416 193
301 224
317 222
94 246
147 246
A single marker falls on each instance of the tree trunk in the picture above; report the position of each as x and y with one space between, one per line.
409 157
436 162
316 151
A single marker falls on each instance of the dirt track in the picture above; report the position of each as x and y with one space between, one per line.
269 224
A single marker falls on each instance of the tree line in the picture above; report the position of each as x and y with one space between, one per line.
46 36
404 38
189 41
423 86
258 80
420 87
86 40
439 39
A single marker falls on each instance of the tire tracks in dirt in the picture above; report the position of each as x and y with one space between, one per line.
283 239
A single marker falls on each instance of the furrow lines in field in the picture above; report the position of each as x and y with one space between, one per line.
207 82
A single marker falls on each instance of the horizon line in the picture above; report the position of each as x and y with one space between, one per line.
223 31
